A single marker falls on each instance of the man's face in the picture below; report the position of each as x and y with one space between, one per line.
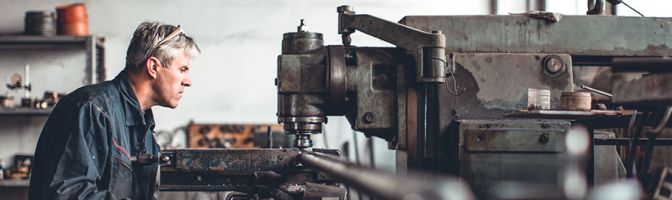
171 81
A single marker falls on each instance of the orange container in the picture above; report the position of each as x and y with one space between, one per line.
73 20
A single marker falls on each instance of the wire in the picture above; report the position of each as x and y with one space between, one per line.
633 9
454 92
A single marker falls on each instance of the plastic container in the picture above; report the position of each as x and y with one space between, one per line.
538 99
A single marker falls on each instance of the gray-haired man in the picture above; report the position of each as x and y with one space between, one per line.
86 145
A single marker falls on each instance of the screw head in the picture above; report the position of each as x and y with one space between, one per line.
369 117
543 139
553 65
480 138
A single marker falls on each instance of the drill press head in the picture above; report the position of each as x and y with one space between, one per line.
301 85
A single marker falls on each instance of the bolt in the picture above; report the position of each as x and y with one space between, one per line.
479 138
280 157
543 139
553 65
199 178
369 117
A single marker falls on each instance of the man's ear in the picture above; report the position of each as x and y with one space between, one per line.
152 66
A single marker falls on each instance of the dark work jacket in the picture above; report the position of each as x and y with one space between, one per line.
86 144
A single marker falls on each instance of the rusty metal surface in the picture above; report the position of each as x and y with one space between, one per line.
649 90
525 150
575 35
261 173
337 80
575 101
232 161
513 135
373 82
490 88
385 185
518 140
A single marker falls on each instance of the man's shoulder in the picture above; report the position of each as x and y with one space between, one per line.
97 94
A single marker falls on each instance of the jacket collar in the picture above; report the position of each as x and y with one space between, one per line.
134 116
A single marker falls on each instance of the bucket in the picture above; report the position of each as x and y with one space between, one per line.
73 20
39 22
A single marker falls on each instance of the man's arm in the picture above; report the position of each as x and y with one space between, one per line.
84 159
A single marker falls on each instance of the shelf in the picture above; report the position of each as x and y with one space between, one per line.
93 46
25 112
39 40
14 183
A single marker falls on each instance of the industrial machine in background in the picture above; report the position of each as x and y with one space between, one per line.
452 100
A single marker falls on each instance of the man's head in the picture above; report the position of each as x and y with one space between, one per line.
160 55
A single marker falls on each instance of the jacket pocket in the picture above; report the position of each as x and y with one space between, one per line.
121 182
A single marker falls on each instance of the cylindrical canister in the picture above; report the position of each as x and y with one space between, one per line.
576 101
38 22
73 20
538 99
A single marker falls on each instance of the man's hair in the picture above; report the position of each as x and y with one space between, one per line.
144 45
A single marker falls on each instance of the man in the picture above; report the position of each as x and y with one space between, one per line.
86 145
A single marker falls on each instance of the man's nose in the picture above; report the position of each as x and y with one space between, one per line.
187 81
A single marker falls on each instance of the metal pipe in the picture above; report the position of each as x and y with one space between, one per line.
597 91
633 133
387 186
626 141
652 138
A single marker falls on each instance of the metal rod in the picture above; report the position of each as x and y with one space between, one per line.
270 137
26 85
597 91
633 9
356 146
626 141
382 185
652 138
634 135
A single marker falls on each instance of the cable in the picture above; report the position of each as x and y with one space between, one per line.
455 93
633 9
616 2
450 75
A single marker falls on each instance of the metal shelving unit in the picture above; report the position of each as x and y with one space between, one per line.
94 47
14 183
25 112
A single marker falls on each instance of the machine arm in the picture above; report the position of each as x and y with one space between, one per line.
428 49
